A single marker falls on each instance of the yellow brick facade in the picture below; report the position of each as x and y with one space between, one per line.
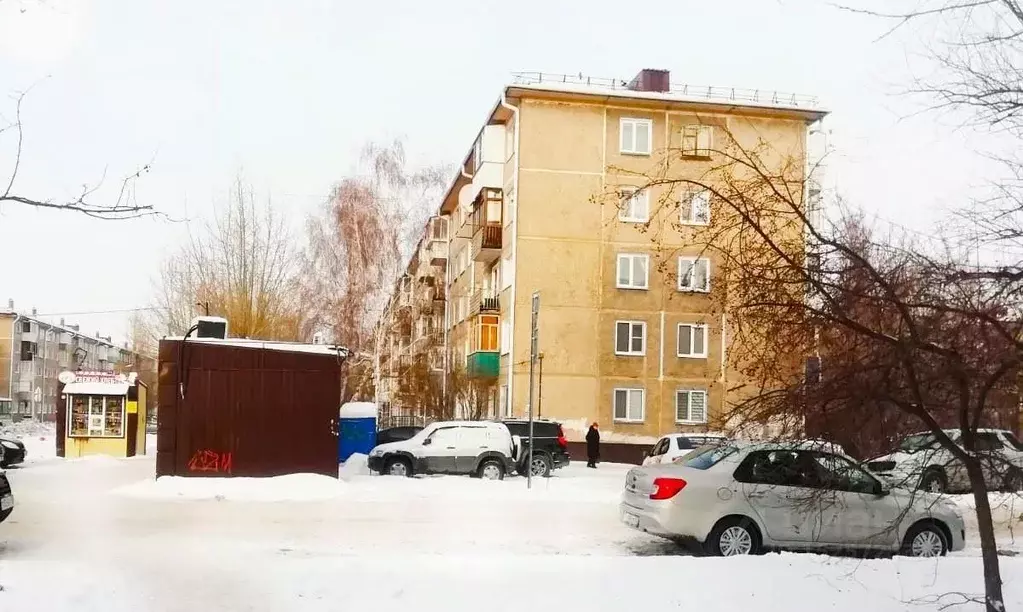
561 237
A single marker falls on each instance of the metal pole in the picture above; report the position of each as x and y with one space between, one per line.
534 340
539 390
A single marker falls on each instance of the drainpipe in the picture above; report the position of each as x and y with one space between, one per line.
515 238
10 373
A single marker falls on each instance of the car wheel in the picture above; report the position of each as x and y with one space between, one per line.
397 466
934 481
491 469
6 513
924 540
541 467
733 537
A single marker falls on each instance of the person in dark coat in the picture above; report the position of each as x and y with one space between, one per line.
593 446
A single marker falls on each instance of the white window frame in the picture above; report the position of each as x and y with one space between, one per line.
632 330
702 137
89 416
690 288
629 391
636 123
687 207
692 340
689 406
633 197
632 281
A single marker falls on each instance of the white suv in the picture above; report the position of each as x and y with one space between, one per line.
675 446
922 462
740 498
477 448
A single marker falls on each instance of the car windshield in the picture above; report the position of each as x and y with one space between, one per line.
708 456
912 444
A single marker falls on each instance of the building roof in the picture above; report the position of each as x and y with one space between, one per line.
97 388
64 328
271 345
605 89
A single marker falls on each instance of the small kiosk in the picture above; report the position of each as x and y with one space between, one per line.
101 413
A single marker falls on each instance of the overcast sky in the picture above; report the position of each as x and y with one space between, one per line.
287 92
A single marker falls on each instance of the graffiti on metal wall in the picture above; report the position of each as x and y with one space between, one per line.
210 461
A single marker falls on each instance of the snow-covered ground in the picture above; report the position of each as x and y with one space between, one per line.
102 535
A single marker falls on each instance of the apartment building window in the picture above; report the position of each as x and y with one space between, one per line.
439 228
629 405
487 332
692 340
634 136
630 338
635 206
632 271
26 327
690 406
697 140
477 153
503 399
28 350
695 207
694 274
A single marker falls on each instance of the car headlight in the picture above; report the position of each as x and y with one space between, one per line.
376 452
10 445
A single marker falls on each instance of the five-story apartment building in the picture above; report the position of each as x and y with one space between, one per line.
33 352
629 331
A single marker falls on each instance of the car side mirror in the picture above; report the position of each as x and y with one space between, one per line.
881 491
427 442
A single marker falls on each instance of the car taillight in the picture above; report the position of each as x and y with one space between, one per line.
562 440
666 488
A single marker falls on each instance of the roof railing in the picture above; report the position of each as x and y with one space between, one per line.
709 92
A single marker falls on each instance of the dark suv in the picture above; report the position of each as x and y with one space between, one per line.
550 450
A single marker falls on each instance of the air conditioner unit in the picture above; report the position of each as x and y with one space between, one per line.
210 327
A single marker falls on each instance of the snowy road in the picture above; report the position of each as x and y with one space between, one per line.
98 534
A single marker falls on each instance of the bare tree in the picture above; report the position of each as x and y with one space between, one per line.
124 206
242 266
362 239
908 326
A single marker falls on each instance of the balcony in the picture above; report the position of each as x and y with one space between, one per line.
439 296
483 364
486 243
437 252
484 301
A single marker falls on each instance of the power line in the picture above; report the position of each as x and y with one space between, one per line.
97 312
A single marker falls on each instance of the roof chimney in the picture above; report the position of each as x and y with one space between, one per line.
33 311
649 79
62 321
10 303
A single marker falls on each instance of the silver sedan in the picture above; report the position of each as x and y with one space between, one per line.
742 498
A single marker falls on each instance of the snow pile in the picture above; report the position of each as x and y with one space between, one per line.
288 488
357 465
27 429
39 438
358 410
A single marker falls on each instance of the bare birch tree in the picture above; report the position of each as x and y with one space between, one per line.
243 266
363 237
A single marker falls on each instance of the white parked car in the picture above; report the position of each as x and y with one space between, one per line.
478 448
741 498
922 462
677 445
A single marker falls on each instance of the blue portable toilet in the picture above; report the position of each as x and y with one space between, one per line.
357 429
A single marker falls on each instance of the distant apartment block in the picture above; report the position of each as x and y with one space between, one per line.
628 331
33 352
